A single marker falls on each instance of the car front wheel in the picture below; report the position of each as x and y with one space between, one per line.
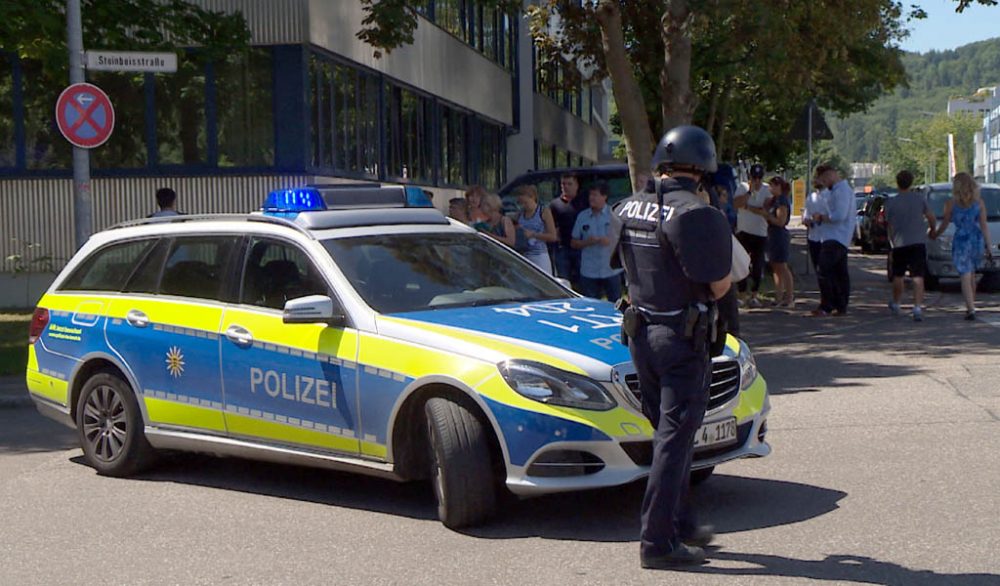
461 464
110 426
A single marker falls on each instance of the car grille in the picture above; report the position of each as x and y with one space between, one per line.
725 383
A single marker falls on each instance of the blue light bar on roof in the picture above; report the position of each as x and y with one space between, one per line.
287 203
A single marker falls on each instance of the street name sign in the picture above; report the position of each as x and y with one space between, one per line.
84 115
131 61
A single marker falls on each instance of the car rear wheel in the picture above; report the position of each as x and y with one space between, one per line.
701 475
461 464
110 426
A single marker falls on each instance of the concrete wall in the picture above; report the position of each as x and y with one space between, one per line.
557 126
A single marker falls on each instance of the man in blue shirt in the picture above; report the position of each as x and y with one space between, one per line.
837 230
591 237
166 200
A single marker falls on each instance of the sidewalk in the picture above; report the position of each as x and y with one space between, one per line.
13 392
868 324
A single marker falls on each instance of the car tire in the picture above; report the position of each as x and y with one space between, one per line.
110 426
701 475
932 283
461 464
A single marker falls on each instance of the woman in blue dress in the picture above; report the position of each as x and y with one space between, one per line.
972 236
777 211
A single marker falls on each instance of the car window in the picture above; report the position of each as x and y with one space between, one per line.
196 265
108 268
146 278
276 272
414 272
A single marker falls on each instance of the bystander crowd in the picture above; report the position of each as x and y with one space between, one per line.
591 236
564 210
751 229
910 223
837 230
972 235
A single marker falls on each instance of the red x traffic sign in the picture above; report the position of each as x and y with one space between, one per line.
84 115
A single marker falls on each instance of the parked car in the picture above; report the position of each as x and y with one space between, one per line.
939 264
547 183
873 230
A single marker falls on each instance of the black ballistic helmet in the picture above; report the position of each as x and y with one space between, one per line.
686 146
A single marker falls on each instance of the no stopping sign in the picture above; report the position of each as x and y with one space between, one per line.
84 115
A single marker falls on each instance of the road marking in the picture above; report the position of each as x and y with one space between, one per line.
993 321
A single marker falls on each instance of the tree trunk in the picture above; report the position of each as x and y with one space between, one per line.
713 108
675 78
635 121
720 137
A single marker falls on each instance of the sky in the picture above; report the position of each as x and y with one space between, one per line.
945 29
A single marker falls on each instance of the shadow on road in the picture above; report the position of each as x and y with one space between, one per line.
839 568
23 431
730 503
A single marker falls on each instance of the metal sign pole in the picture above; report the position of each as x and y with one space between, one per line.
81 157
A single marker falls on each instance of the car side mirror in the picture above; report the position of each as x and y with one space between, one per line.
313 309
564 283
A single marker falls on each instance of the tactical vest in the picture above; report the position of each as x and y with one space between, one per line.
656 280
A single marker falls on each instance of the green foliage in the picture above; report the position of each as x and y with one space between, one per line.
934 77
922 146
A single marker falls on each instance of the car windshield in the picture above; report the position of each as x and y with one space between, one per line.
398 273
990 195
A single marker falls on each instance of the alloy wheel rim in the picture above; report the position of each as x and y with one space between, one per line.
105 425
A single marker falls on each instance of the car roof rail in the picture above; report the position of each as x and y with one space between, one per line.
181 218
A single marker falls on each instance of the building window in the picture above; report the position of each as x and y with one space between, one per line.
8 146
126 148
161 119
544 156
181 125
453 146
243 86
493 155
490 31
344 112
45 148
410 127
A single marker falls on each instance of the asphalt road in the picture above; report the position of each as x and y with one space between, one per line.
886 470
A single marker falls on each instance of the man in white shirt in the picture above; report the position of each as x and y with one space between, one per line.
816 203
837 230
751 228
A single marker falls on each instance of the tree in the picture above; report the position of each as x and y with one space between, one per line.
922 146
648 47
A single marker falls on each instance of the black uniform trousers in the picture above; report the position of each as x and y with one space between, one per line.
834 279
674 380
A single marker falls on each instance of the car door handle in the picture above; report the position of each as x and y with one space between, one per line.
137 318
239 335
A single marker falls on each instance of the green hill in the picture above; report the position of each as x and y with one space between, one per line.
933 78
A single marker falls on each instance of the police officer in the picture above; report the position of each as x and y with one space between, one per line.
677 255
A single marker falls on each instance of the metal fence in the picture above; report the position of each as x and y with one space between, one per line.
36 215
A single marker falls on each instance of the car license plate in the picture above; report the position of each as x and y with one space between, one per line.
717 433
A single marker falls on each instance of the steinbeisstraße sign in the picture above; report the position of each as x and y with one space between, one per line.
132 61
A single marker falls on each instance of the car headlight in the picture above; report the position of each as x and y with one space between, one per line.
748 366
546 384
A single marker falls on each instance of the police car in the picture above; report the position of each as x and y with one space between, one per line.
347 328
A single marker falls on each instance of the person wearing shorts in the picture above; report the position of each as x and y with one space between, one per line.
910 221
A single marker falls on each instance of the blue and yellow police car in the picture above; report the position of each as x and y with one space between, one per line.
351 328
